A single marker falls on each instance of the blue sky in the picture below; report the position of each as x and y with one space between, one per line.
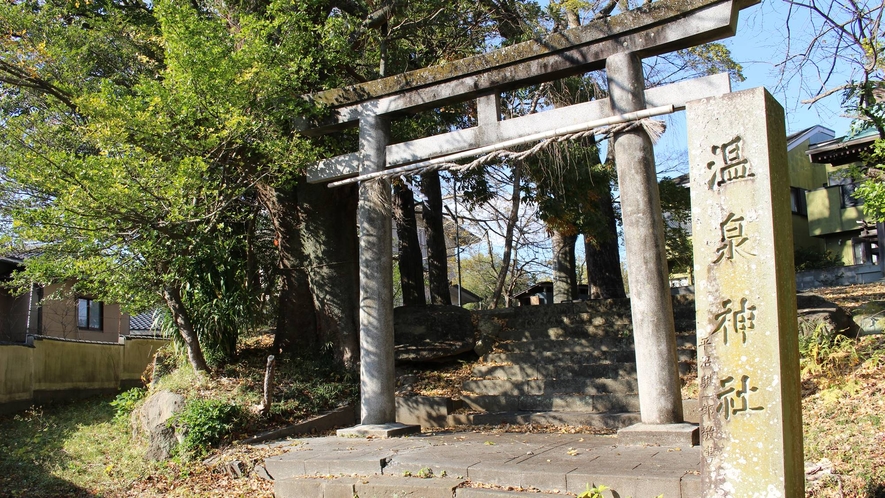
760 44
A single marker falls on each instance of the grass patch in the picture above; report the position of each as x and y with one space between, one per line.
68 449
842 413
85 448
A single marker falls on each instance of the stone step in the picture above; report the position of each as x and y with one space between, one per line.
574 357
547 357
564 332
576 345
599 420
556 371
497 493
348 487
559 331
570 345
558 386
593 403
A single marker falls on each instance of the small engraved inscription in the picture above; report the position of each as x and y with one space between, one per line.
734 397
709 409
732 239
735 319
705 381
709 433
731 164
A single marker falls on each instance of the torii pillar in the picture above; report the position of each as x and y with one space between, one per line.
660 399
377 416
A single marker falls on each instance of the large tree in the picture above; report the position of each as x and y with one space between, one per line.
134 133
138 135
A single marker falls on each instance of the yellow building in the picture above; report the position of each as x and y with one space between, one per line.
834 216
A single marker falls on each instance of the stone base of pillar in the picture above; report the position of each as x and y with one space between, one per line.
379 430
659 435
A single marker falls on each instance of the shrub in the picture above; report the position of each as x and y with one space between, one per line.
825 353
812 259
126 401
205 423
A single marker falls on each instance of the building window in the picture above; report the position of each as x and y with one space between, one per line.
848 199
797 201
89 314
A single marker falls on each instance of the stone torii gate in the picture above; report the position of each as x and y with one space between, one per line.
617 44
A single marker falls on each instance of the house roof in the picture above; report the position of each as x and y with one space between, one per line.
813 134
8 264
547 286
144 322
467 297
842 150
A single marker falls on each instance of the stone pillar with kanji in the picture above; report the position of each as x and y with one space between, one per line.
748 367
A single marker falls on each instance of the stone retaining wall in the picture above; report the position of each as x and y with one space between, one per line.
48 368
842 275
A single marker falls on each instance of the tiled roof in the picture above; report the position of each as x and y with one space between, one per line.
145 321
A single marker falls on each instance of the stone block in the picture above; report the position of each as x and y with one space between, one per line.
283 468
745 296
691 485
499 387
432 332
659 435
407 487
379 430
501 403
425 411
625 484
343 416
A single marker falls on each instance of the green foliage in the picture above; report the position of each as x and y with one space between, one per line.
676 206
813 259
131 152
824 353
126 401
479 273
872 189
594 492
206 422
711 58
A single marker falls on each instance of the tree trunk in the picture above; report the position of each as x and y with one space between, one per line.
437 256
172 296
508 237
296 328
565 280
411 268
604 276
329 240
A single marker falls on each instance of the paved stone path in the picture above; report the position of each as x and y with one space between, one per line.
546 462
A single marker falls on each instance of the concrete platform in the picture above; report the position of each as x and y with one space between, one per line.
335 466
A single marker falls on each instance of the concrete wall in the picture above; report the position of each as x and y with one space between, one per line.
65 369
843 275
825 214
804 173
809 176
